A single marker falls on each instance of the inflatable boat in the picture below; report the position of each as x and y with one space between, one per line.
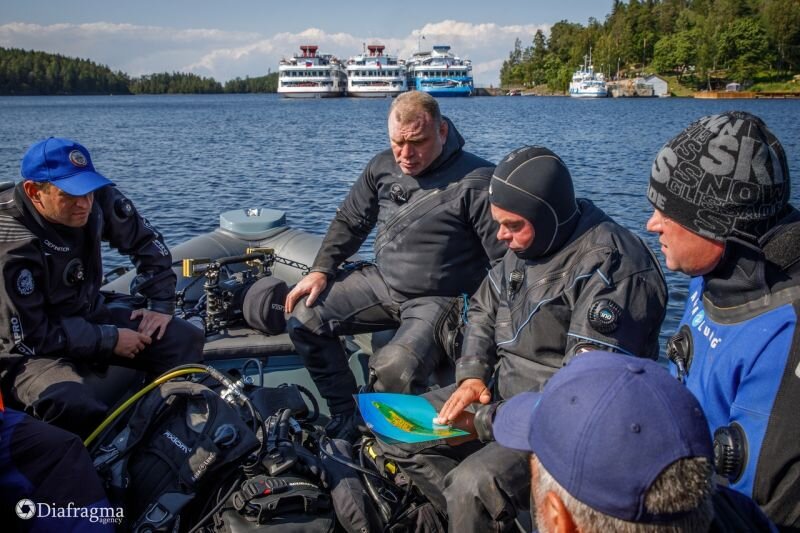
245 241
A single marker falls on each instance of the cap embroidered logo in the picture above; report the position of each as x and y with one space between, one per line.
77 158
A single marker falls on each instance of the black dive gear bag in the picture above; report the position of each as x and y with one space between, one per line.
246 459
402 508
287 504
178 437
308 485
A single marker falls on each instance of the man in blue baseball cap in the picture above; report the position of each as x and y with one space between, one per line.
56 329
617 444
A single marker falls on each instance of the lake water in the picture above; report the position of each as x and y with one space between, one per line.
184 159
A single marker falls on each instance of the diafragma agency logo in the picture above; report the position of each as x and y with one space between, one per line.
25 509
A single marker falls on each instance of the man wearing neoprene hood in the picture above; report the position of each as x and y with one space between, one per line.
571 281
434 241
720 192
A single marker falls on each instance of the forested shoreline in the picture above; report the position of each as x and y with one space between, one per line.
703 43
24 72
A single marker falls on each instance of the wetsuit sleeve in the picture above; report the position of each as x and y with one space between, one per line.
618 310
733 511
26 329
48 464
353 222
479 352
481 220
769 419
130 233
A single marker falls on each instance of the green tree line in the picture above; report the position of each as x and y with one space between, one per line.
29 72
25 72
261 84
174 83
696 40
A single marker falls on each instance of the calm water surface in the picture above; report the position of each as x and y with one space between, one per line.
185 159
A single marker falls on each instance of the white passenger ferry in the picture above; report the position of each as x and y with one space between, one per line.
586 83
311 75
375 74
440 72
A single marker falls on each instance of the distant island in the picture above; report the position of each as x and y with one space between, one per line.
25 72
697 45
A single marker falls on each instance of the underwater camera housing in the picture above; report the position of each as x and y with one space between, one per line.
224 289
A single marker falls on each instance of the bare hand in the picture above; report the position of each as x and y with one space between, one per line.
313 284
152 322
470 391
130 343
465 422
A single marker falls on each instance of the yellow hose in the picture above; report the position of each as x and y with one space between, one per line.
130 401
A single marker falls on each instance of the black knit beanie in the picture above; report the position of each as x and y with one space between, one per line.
534 183
725 174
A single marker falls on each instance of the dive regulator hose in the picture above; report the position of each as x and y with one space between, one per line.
178 371
163 378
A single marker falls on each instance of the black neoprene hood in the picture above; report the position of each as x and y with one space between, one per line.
534 183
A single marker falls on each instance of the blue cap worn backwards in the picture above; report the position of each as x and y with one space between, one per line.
64 163
605 427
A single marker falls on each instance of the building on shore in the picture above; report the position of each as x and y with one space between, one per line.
659 84
631 88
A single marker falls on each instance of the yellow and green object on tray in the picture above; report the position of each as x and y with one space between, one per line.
402 418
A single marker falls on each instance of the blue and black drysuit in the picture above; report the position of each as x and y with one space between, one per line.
743 362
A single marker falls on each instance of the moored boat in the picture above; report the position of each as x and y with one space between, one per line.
375 74
311 75
586 83
440 73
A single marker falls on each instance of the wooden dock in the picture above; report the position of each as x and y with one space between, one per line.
726 95
745 94
777 94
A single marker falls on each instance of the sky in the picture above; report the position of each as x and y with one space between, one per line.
226 39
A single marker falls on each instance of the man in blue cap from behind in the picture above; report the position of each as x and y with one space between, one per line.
617 444
56 328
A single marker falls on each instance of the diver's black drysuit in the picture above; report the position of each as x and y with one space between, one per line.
435 239
55 325
588 283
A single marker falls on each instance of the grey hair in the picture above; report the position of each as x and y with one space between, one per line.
685 485
42 185
407 106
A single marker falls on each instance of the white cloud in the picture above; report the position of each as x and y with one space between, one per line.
138 49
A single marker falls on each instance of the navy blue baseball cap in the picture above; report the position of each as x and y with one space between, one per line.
605 426
64 163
